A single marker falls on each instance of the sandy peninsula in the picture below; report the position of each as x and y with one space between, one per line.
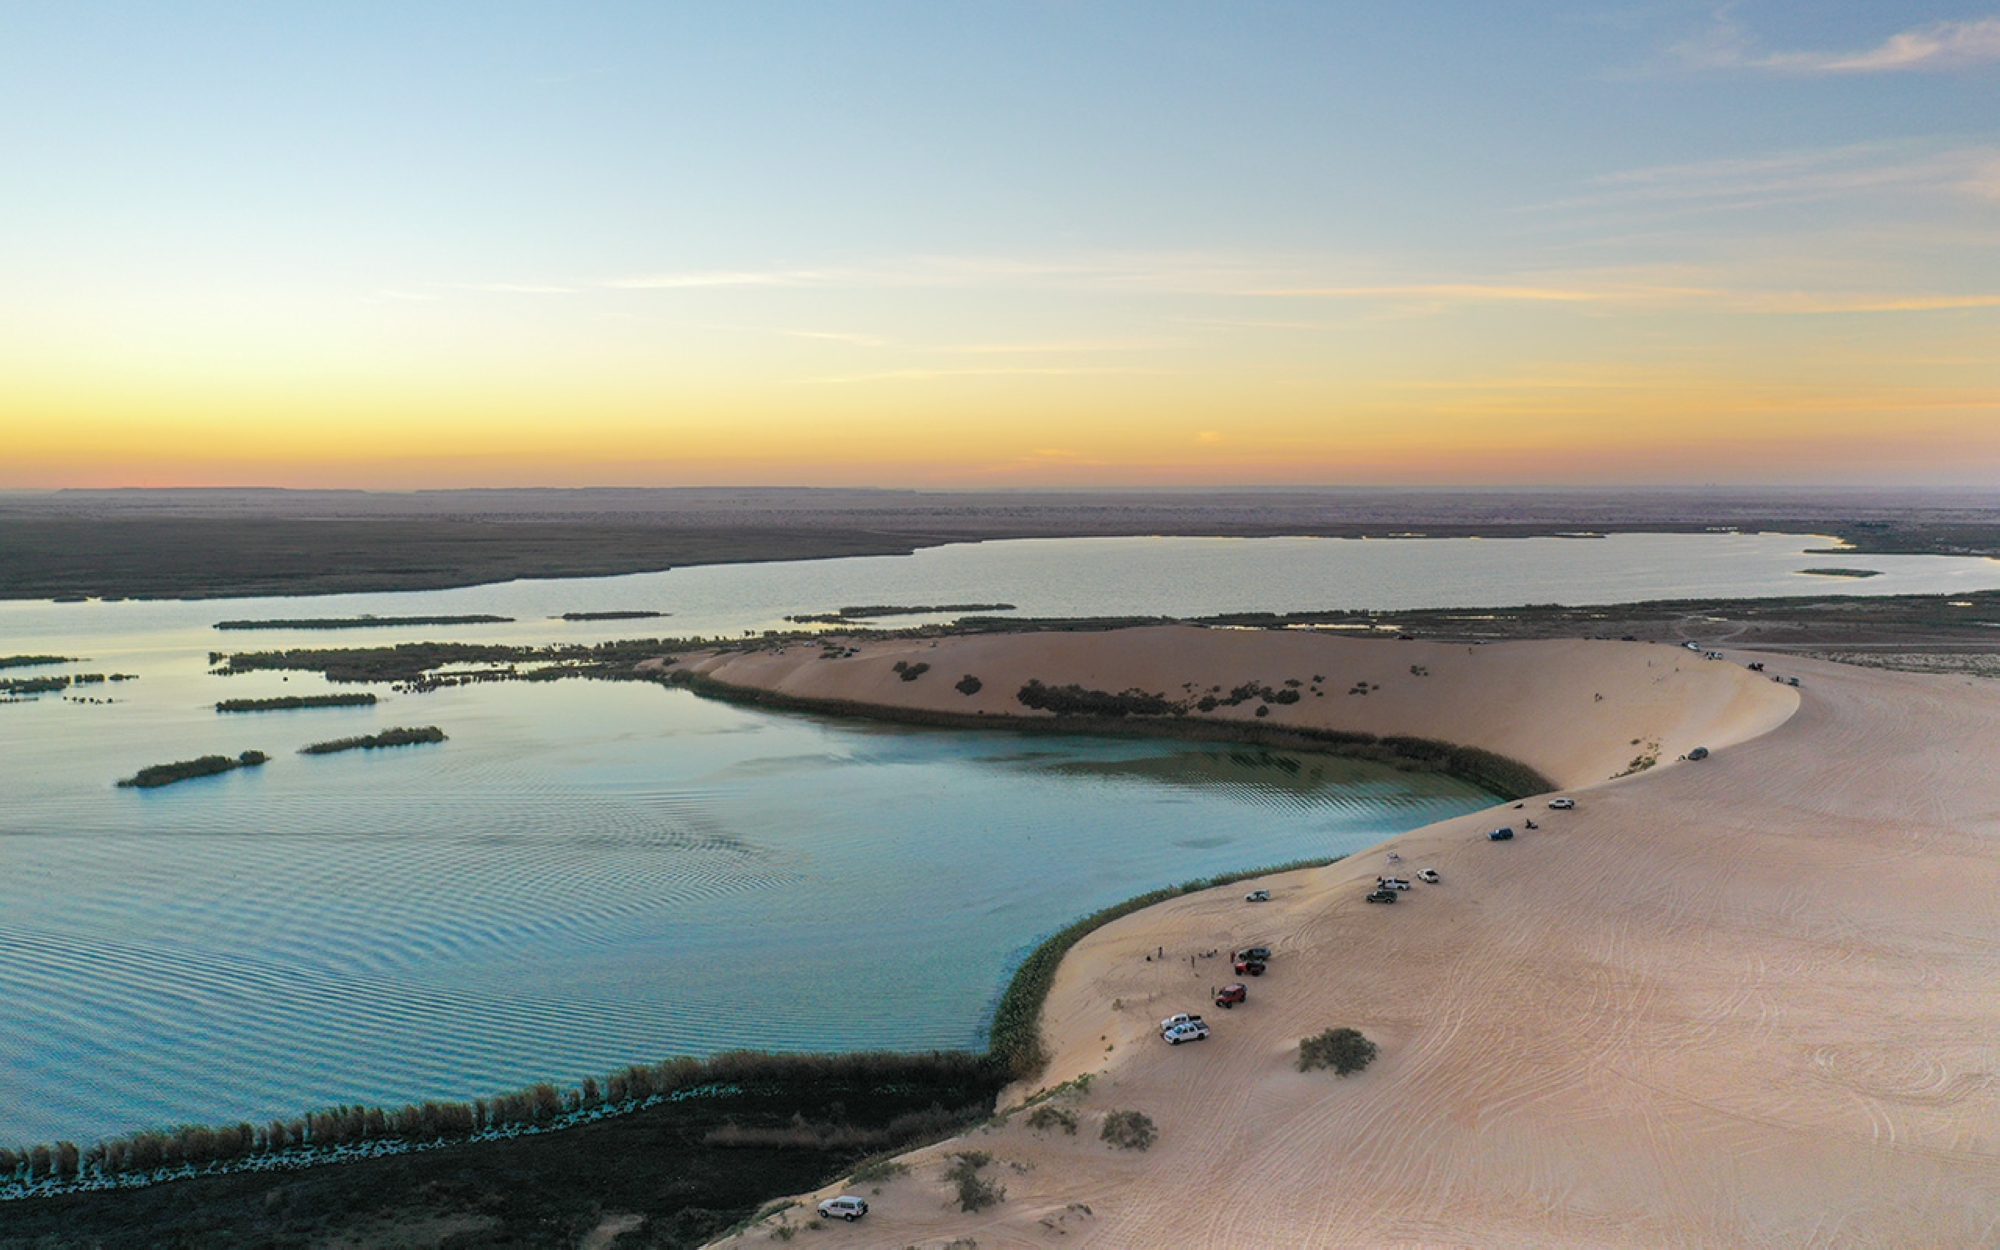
1750 1000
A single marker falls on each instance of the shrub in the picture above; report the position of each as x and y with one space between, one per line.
969 685
1129 1130
1078 701
975 1193
1047 1117
911 672
875 1171
1344 1050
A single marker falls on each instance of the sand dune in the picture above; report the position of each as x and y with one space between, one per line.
1753 1000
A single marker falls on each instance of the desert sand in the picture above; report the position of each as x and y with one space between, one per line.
1750 1000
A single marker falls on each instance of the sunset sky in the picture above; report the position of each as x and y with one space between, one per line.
1004 244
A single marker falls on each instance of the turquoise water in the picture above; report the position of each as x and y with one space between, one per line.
585 875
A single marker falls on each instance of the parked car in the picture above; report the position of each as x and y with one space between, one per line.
1391 883
1562 805
1382 896
846 1207
1500 835
1699 753
1179 1017
1192 1031
1247 967
1257 896
1262 954
1429 875
1230 995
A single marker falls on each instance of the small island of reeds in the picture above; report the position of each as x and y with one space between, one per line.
184 770
32 661
364 622
285 703
387 738
1842 572
869 611
636 615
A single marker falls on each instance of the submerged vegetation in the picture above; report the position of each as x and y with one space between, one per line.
285 703
20 686
369 742
364 622
33 661
1843 572
157 775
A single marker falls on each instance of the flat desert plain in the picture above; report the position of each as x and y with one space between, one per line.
1750 1000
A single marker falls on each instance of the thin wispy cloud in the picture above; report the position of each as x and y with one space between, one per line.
520 288
726 278
1794 177
1937 46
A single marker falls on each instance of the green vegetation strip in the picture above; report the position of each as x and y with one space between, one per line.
610 616
32 661
387 738
1843 572
364 622
158 775
288 702
412 661
1015 1040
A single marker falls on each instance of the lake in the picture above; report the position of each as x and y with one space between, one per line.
591 874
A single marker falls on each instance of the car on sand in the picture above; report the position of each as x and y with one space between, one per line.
1230 995
846 1207
1257 896
1250 961
1382 896
1502 834
1429 876
1189 1031
1178 1018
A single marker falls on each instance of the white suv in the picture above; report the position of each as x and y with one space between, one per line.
1563 805
846 1207
1191 1030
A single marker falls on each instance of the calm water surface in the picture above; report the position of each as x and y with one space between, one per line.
590 874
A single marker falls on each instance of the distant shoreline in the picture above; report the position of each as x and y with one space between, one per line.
218 545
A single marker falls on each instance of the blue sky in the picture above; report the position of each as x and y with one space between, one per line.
614 221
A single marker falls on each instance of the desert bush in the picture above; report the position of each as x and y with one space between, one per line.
876 1171
1344 1050
911 672
1129 1130
1047 1117
975 1192
1077 700
969 685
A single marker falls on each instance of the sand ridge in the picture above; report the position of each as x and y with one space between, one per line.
1749 1000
